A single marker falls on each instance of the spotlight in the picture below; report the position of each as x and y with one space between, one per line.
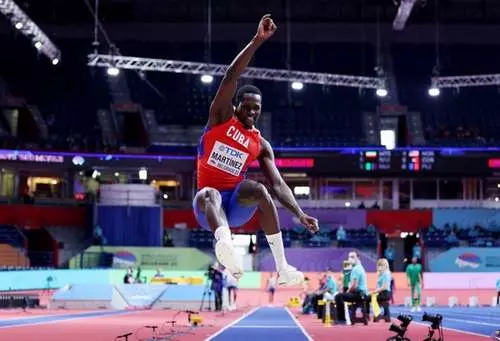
38 45
381 92
55 61
207 79
297 86
435 321
401 329
434 91
113 71
19 25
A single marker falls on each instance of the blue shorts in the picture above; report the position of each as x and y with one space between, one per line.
236 214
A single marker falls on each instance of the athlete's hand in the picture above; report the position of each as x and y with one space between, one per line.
266 28
309 223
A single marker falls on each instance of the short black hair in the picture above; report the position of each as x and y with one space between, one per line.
247 89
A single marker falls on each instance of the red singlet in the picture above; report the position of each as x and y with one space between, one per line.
224 153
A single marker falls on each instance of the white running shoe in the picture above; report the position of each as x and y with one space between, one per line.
413 309
290 276
419 309
227 256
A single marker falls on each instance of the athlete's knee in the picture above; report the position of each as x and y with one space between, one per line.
261 193
208 195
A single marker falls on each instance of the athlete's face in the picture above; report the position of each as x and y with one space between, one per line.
248 110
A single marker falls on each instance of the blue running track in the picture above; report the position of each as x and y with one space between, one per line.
263 324
479 321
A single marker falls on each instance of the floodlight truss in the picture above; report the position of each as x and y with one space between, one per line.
467 81
31 30
179 66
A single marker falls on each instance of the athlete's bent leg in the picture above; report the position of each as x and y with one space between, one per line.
253 193
209 213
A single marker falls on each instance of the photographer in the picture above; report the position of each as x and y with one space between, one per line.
217 278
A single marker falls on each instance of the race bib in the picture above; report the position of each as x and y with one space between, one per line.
227 159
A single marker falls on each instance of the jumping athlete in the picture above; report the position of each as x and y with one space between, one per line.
229 144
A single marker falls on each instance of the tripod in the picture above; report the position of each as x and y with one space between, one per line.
432 331
398 338
207 292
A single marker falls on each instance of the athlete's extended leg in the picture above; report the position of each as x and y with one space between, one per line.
209 211
252 193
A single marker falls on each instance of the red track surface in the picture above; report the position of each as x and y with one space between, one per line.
107 328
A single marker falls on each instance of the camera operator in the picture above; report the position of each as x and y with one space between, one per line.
216 276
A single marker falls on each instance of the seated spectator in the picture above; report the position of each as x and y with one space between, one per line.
358 287
346 275
383 289
331 286
341 236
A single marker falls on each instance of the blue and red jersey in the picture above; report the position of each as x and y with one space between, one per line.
224 153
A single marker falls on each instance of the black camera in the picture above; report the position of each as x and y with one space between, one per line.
405 320
432 318
210 273
435 320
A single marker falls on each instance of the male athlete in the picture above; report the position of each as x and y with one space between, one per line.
415 281
230 143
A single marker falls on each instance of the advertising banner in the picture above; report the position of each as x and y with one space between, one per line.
178 258
467 259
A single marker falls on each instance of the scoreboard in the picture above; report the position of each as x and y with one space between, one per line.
403 162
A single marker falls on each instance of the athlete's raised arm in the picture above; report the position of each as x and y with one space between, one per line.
221 108
280 189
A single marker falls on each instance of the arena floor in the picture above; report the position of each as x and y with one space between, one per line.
254 321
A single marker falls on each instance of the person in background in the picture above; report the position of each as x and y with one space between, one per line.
415 281
417 251
389 254
158 273
346 275
305 288
341 236
451 240
358 286
217 286
232 288
498 292
271 287
383 289
129 276
331 286
393 289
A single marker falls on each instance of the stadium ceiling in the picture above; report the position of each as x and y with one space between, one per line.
64 12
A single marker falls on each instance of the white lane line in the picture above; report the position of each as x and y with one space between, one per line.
309 338
263 326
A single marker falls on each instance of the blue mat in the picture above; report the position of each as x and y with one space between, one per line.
264 324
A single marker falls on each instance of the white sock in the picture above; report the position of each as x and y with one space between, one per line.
276 244
223 233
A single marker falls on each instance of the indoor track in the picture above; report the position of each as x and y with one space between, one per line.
257 323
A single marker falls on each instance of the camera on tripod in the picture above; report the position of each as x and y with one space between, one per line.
435 320
401 329
210 274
